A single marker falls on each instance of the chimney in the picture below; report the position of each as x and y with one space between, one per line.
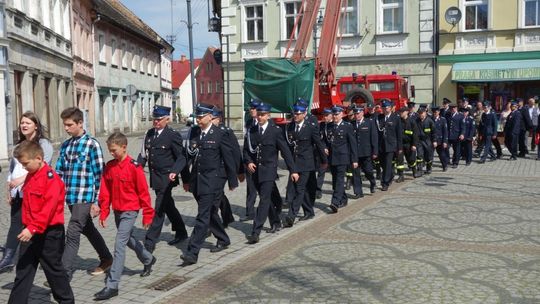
182 58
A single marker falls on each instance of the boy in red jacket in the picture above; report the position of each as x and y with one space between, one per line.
124 186
42 239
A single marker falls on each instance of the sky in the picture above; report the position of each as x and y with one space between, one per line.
157 14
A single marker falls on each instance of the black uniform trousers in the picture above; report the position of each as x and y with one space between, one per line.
267 206
442 152
301 196
321 172
164 206
456 146
339 197
409 155
225 208
497 146
467 149
207 218
425 152
511 142
251 196
45 249
522 142
365 164
387 167
488 151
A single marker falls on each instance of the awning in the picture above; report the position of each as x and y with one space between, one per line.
489 71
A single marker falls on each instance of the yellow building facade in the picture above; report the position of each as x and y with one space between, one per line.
488 50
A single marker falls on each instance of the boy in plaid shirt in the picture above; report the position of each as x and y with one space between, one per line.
80 165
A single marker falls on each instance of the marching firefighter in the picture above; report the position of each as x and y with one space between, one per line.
368 147
410 142
426 137
323 130
441 137
390 141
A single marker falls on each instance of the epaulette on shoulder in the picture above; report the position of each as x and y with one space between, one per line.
50 174
134 162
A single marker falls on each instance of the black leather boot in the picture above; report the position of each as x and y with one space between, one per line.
6 264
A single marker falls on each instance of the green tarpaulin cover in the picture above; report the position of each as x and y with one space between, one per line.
279 82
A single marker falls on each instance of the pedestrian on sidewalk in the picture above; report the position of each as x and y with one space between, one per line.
124 186
30 128
42 239
162 148
80 165
213 162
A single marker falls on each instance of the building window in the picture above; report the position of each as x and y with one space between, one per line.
114 53
201 88
101 41
141 61
476 14
218 87
254 23
392 16
34 29
133 59
18 22
47 36
124 56
532 13
292 11
149 67
349 25
209 87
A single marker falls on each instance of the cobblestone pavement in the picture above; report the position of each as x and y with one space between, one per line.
470 235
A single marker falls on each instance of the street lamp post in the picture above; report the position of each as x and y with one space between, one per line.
191 59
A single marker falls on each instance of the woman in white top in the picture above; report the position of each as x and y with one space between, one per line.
30 128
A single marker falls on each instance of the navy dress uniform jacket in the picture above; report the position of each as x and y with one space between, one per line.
212 164
302 144
163 154
390 133
262 150
470 128
513 123
441 131
343 148
488 124
367 138
455 126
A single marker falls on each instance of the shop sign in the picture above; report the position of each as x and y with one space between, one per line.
471 90
531 73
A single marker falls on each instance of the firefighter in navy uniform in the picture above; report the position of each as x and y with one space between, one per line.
302 138
323 130
512 127
342 153
455 134
261 146
488 128
350 119
225 205
469 133
162 148
390 141
441 137
213 164
367 142
410 143
426 128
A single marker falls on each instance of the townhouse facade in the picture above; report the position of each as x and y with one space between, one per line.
209 78
491 53
40 63
377 37
126 53
166 75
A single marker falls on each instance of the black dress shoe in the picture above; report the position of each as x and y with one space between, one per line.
246 218
177 239
252 238
372 189
188 260
512 158
384 188
274 228
105 294
444 169
289 222
334 208
219 247
148 268
318 195
357 196
306 217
